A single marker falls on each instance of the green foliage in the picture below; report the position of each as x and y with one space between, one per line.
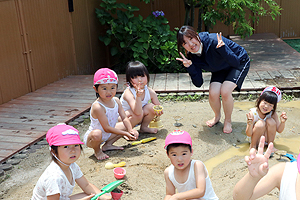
131 37
295 43
234 12
195 97
288 97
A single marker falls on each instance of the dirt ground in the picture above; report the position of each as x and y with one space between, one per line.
223 154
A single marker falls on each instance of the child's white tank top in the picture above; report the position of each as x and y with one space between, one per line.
145 101
256 116
191 182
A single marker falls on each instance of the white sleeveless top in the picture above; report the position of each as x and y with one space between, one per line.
145 101
112 115
256 115
191 182
288 182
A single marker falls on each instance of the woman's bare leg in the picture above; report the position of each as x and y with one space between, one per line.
215 103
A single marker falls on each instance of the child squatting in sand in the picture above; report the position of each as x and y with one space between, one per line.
105 128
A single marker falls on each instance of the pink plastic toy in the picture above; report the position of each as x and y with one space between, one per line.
119 172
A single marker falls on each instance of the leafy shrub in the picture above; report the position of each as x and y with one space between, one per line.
131 37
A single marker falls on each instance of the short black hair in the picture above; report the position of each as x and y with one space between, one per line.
178 145
134 69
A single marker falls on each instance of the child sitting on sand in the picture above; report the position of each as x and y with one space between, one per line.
58 180
189 177
263 119
135 99
104 114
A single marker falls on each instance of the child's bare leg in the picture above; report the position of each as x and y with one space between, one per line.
258 130
94 141
271 131
148 117
109 143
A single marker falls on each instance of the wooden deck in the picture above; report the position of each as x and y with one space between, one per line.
25 120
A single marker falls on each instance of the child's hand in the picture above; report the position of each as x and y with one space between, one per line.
130 135
283 117
135 133
258 163
249 119
139 91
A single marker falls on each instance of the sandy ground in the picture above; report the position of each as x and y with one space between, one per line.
223 154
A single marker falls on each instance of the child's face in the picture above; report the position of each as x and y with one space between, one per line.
265 107
139 81
180 156
69 153
106 91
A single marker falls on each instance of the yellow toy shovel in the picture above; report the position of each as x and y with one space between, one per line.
144 140
110 165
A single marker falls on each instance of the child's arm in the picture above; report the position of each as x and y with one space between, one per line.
259 180
134 103
280 124
89 188
170 189
249 128
133 133
155 100
98 112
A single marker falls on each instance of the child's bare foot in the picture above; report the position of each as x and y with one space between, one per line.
107 147
148 130
227 127
101 156
212 122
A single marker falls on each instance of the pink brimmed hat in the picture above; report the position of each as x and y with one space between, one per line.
104 76
298 163
63 134
275 90
178 136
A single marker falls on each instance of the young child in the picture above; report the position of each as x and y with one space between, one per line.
260 180
189 177
135 98
58 180
104 115
263 119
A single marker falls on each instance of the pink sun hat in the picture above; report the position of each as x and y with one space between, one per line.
178 136
63 134
298 163
275 90
104 76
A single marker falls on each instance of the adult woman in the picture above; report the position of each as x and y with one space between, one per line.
228 62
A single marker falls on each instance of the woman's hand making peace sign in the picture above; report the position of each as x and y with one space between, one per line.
220 41
184 61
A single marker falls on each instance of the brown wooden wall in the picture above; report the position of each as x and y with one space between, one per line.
42 42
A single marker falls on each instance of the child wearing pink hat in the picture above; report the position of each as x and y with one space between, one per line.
105 128
260 180
58 180
189 177
263 119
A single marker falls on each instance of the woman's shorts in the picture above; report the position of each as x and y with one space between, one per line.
234 75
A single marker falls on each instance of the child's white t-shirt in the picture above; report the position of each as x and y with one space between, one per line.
54 181
288 182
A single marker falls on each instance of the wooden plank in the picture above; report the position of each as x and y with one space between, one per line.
286 74
266 77
160 83
22 133
184 82
152 80
206 81
255 80
172 82
247 85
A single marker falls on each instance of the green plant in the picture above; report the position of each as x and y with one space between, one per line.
288 97
131 37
